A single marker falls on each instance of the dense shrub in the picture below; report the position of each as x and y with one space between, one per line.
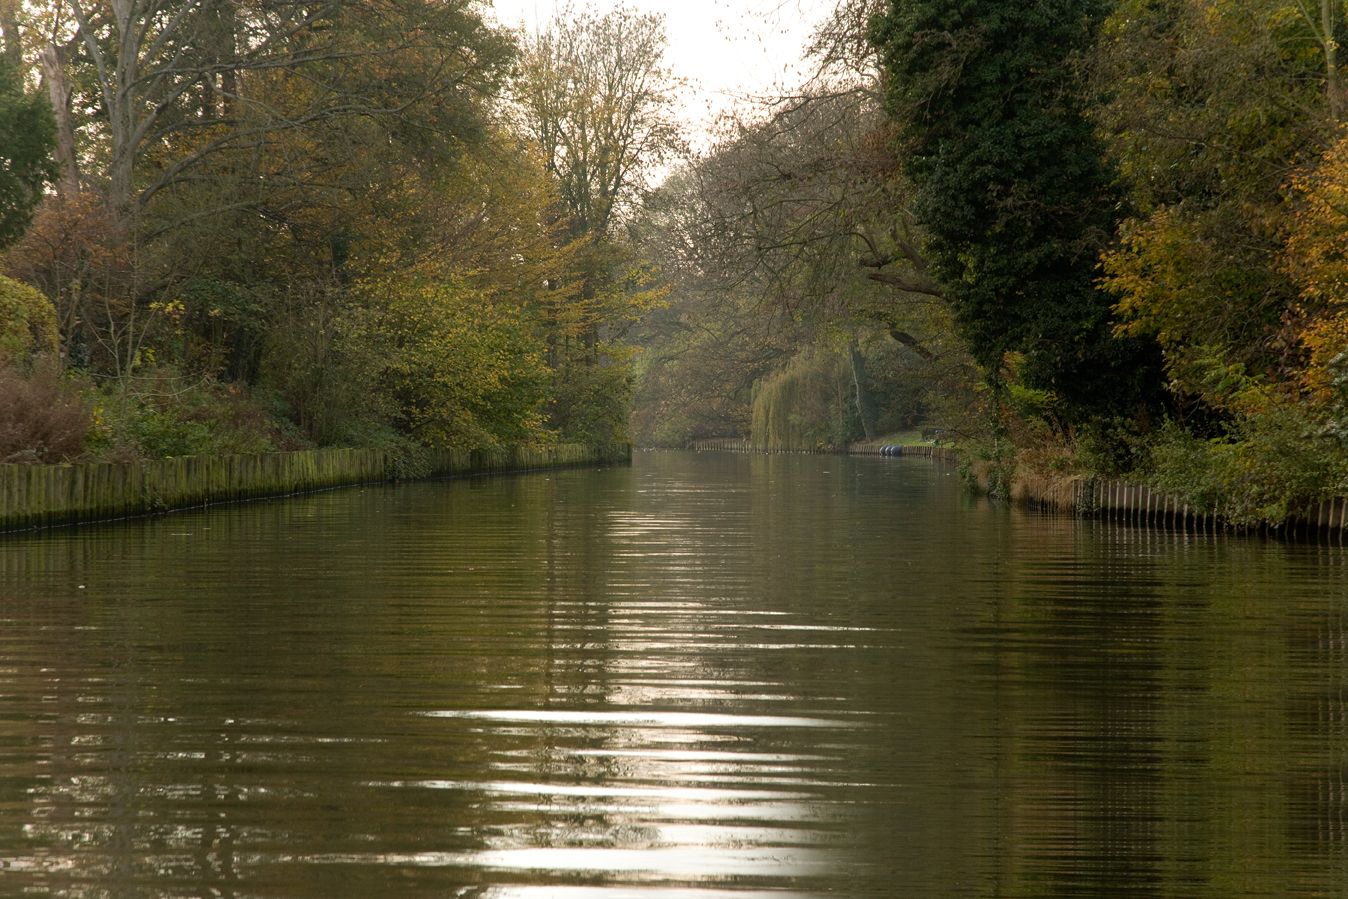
27 324
592 402
1273 463
159 414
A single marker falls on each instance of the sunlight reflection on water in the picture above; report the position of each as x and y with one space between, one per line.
716 677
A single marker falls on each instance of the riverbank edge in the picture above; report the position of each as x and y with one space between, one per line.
1136 504
742 445
33 497
1106 499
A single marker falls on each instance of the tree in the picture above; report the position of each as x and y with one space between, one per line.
445 365
1317 260
782 249
318 201
789 232
236 153
1011 188
1211 108
474 239
594 93
794 248
177 85
27 138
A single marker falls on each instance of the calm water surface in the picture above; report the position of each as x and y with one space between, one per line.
714 676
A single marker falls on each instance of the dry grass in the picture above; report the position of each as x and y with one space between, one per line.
43 416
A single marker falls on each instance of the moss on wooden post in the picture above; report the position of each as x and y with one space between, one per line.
45 495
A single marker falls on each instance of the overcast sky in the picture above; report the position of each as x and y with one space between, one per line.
726 49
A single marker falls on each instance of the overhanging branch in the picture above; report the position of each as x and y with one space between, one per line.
906 283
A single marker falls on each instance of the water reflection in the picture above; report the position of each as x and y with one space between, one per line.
713 677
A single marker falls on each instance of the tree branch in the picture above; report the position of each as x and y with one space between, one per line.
912 343
906 284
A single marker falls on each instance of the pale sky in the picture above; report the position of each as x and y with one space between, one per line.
726 49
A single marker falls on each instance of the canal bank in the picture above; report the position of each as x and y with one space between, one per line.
38 496
1138 504
1132 503
1120 501
743 445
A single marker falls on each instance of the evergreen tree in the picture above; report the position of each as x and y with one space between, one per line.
27 138
1011 189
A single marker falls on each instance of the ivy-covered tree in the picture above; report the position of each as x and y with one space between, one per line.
1010 187
27 137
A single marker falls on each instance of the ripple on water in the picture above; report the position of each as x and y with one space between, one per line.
713 677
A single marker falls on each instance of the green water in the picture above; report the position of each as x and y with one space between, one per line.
713 676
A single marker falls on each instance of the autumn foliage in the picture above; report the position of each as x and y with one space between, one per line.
331 214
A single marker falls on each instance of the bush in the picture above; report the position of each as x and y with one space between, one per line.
159 415
27 324
43 416
1113 447
1273 463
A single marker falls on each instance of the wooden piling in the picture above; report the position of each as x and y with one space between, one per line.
33 496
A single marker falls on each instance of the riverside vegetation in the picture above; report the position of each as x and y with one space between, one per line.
1082 237
242 227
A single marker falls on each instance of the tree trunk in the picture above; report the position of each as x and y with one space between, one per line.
865 402
229 78
9 30
118 77
1331 46
58 89
220 97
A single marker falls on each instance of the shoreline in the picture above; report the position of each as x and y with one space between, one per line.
1100 499
37 497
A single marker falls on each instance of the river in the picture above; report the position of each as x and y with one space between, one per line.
711 676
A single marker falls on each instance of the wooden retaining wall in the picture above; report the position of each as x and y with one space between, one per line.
1137 504
722 444
36 496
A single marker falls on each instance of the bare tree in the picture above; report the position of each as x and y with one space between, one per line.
594 92
808 205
